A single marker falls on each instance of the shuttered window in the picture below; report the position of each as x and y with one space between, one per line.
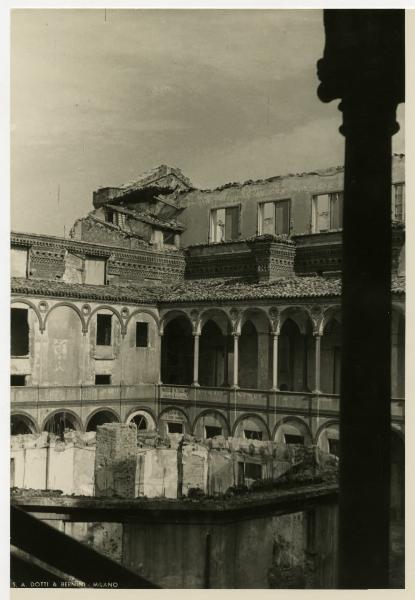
274 217
224 224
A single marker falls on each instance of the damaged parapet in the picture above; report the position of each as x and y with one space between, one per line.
119 461
43 461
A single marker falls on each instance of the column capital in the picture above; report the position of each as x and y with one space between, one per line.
236 334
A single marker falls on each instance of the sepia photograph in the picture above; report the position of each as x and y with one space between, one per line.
207 318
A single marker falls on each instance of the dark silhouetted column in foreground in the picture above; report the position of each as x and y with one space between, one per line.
363 66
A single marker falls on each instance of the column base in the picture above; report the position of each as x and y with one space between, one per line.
317 392
274 389
235 387
195 384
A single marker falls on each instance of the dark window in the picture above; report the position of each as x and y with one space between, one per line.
334 446
12 472
109 216
290 438
19 329
141 335
140 421
104 330
16 380
251 434
253 471
102 379
168 237
212 431
174 427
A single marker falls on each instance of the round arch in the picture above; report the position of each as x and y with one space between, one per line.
22 423
299 315
209 314
97 417
144 419
33 307
208 423
145 311
173 420
250 313
327 437
168 316
251 422
69 305
74 419
290 430
111 309
331 313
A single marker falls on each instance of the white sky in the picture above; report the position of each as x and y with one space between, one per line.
99 96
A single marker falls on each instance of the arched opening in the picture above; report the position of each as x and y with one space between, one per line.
211 424
398 356
397 477
100 418
173 421
21 425
60 422
294 354
331 358
251 428
248 356
328 439
292 432
142 420
177 352
213 353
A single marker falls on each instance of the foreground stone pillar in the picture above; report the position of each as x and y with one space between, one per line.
116 460
363 65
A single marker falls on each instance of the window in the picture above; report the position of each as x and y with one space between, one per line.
398 202
211 431
290 438
102 379
253 471
95 271
334 446
327 212
274 217
17 380
19 329
168 237
224 224
174 427
104 330
141 335
251 434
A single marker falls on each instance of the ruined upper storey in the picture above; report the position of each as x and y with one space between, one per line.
160 228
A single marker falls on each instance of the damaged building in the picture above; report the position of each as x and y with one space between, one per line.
212 313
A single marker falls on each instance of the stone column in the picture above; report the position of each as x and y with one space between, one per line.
275 339
317 363
364 67
235 360
161 354
196 337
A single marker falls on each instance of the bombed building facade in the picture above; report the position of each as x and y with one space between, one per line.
208 312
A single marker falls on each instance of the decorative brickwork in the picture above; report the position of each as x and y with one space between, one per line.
273 259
